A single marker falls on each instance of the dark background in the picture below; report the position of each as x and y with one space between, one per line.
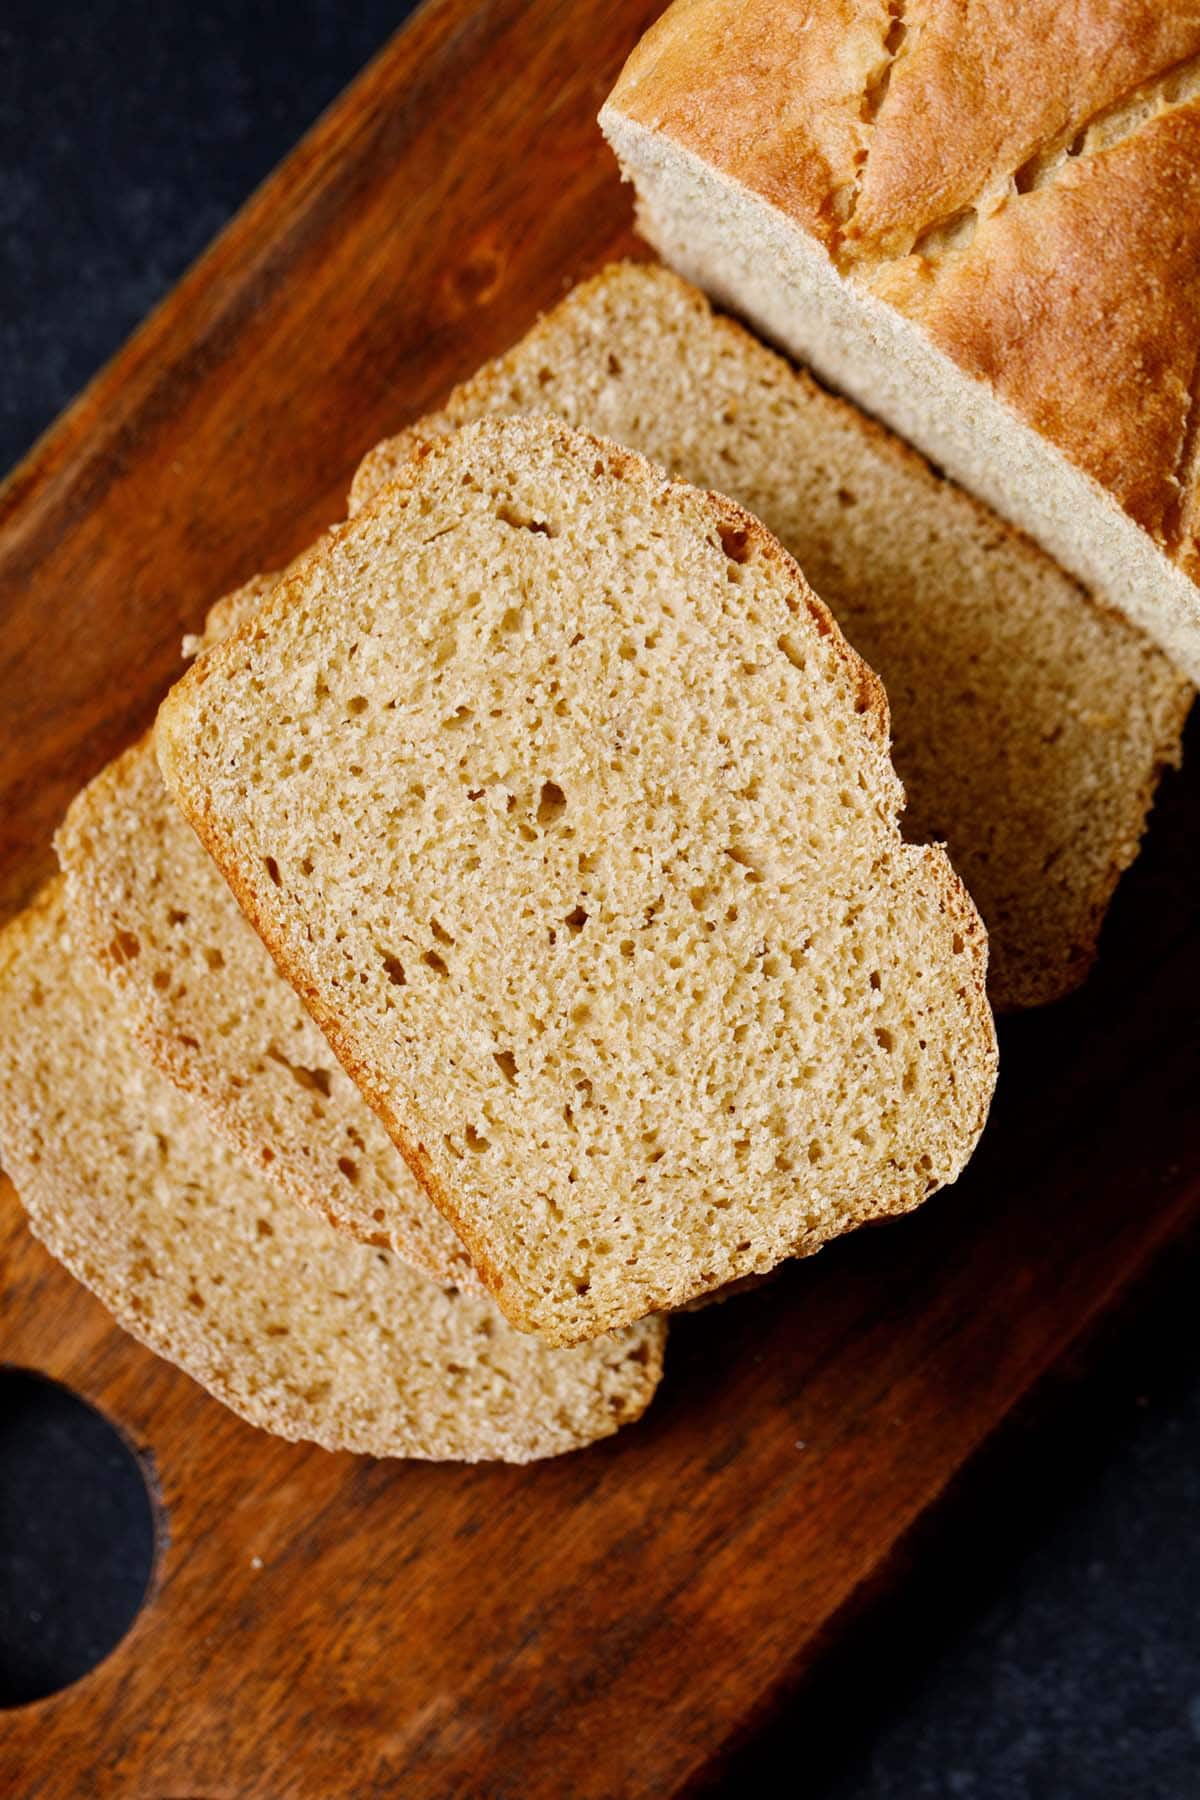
1047 1645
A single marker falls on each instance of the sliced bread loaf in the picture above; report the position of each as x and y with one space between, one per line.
208 1006
1029 724
296 1328
565 805
981 221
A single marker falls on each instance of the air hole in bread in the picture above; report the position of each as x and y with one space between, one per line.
747 860
272 868
394 969
735 542
437 963
317 1081
508 515
552 804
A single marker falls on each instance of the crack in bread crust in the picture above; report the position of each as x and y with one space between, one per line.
1185 477
845 200
950 237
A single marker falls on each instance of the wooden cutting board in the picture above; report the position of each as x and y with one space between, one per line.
611 1623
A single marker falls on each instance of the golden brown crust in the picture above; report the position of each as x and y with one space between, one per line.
1097 350
752 87
1077 301
969 101
901 113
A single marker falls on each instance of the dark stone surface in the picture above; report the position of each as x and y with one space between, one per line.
128 135
1065 1664
1083 1677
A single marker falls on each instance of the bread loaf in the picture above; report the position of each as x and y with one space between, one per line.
566 807
982 223
1029 724
296 1328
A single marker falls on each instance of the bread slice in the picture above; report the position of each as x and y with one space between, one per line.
982 223
297 1329
566 806
1029 724
208 1006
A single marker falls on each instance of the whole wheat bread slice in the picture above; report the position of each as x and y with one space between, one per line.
296 1328
209 1008
1030 725
568 810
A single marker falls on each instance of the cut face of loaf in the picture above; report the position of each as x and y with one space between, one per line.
1029 724
208 1006
983 224
296 1328
566 807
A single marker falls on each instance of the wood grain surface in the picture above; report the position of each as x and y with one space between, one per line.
608 1624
